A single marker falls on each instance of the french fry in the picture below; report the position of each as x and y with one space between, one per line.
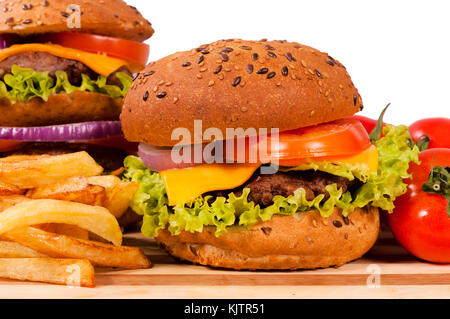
28 172
9 249
71 272
95 219
11 200
74 189
119 193
72 231
62 246
8 189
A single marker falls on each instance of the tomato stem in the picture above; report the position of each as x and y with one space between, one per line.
438 183
375 135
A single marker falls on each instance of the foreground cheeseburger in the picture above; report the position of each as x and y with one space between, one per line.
65 66
321 208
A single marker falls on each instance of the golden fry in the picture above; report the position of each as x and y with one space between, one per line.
31 171
11 200
71 272
9 249
61 246
74 189
97 220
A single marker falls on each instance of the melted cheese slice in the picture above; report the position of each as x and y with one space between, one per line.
101 64
367 158
185 185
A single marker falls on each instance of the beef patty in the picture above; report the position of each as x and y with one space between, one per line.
263 188
110 159
46 62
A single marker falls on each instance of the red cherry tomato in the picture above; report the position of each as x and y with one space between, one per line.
132 51
437 129
420 222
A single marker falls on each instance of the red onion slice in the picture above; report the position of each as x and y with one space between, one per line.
63 133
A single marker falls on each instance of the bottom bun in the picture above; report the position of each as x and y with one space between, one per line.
301 241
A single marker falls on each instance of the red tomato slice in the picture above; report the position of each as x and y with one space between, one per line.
9 145
116 142
338 138
135 52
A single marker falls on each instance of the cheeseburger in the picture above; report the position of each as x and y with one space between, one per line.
320 206
65 66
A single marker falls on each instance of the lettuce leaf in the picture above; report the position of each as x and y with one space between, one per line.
24 84
379 190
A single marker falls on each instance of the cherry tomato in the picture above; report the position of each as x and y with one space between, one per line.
338 138
132 51
420 222
437 129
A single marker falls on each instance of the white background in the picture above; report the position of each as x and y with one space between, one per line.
396 51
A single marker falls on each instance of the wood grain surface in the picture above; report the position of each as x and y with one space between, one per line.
400 276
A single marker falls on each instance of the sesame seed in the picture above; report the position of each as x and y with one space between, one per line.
285 71
175 100
200 59
244 109
27 6
65 14
271 75
245 47
211 83
155 89
149 73
249 68
218 69
169 84
9 20
318 73
237 68
314 223
272 55
199 76
145 97
221 76
204 52
337 224
269 47
304 64
45 3
227 50
185 64
161 82
330 62
5 9
255 56
346 221
161 95
262 71
224 56
355 99
27 21
290 57
236 81
203 69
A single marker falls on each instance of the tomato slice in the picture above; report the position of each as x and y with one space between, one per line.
116 142
135 52
9 145
344 137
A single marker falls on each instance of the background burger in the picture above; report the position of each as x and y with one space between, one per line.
62 83
321 208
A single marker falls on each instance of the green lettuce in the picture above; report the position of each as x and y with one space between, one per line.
379 190
24 84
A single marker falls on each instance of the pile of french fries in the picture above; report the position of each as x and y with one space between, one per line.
58 219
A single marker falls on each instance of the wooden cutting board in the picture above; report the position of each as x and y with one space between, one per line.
386 271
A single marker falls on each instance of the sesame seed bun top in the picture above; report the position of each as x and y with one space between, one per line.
237 84
104 17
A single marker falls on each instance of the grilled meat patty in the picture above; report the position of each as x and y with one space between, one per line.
110 159
263 188
46 62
